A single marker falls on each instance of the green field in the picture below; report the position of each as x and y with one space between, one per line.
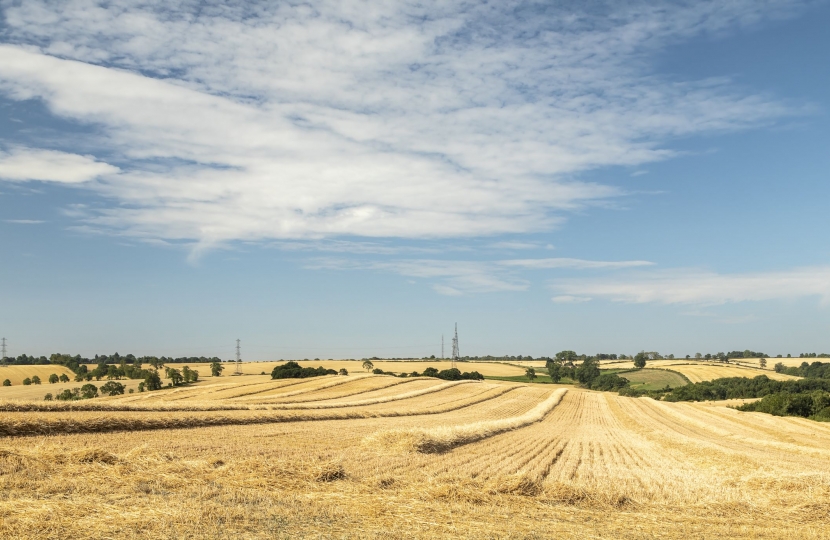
541 377
653 379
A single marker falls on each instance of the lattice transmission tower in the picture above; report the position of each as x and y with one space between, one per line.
3 351
238 359
455 354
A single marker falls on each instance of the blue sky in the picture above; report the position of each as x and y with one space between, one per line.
348 179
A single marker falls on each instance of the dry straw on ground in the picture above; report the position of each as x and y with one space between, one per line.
594 465
441 439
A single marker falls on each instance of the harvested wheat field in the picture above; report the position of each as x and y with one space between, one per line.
490 369
709 371
382 457
16 374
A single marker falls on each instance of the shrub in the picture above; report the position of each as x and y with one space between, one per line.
452 374
141 386
7 382
430 372
609 381
69 395
343 371
53 378
472 376
112 388
414 374
64 377
35 380
27 381
47 397
131 390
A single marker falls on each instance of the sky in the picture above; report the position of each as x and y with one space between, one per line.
345 179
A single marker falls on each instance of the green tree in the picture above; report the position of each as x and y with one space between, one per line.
112 388
763 362
554 370
153 381
89 391
587 371
640 360
368 365
7 382
174 375
27 381
53 378
64 377
216 369
141 386
566 356
47 397
35 380
530 373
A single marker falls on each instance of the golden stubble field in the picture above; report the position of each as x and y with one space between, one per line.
698 371
381 457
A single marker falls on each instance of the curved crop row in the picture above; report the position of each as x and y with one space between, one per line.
441 439
32 424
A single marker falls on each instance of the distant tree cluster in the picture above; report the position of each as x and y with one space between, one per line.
814 405
293 370
818 370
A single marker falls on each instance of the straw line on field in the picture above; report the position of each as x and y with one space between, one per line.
441 439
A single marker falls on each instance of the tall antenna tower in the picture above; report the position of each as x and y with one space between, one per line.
455 354
3 351
238 359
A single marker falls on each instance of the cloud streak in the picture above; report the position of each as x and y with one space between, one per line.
701 288
256 121
24 164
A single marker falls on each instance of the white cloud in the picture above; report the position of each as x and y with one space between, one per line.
702 288
563 262
24 221
567 299
517 245
22 164
455 277
258 121
460 277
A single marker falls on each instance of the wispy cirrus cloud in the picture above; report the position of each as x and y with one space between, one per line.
456 277
564 262
257 121
682 286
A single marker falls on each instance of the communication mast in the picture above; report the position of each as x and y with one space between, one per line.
455 354
238 360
